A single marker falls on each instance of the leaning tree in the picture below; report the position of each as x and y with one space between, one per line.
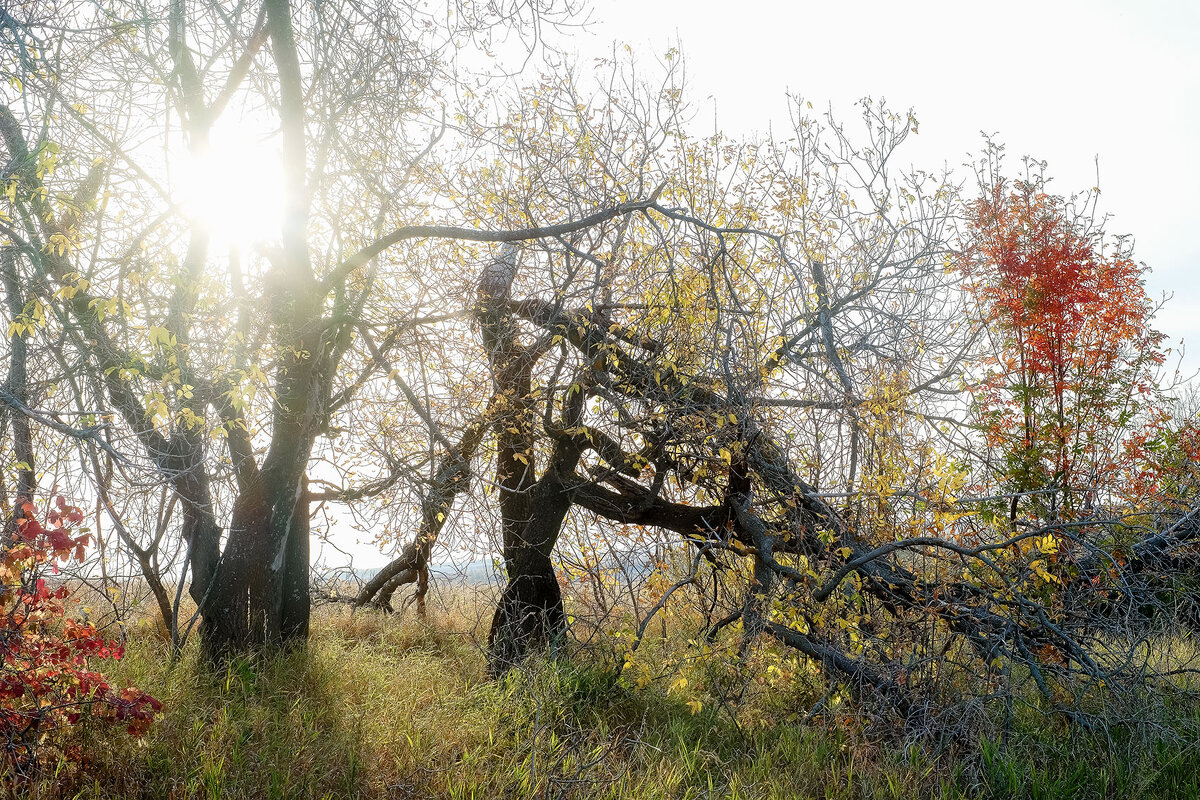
765 360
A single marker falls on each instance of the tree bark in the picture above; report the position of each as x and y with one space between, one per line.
17 383
530 611
259 592
452 477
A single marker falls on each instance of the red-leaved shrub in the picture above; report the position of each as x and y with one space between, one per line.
48 681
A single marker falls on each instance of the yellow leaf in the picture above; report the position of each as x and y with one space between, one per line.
1048 544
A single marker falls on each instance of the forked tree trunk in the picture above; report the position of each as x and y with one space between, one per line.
259 592
530 611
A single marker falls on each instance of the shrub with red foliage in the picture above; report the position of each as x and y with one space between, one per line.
48 682
1070 391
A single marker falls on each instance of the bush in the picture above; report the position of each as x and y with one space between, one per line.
47 682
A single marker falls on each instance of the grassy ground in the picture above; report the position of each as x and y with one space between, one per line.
389 707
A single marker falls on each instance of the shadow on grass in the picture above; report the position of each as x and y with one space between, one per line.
269 726
324 720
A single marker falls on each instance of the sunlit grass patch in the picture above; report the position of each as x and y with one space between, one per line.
381 705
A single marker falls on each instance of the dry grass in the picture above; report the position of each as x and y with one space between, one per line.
380 706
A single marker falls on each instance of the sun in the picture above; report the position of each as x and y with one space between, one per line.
234 188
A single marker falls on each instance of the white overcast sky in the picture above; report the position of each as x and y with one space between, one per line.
1061 81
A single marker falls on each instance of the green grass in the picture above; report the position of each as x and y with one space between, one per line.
388 707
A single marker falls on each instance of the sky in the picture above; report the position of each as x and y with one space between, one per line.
1065 82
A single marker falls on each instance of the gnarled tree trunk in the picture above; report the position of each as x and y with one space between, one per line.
530 611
